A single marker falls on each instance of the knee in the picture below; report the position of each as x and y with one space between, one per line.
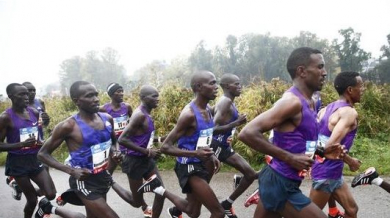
353 210
50 195
250 175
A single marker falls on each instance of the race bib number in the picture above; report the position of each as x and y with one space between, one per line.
205 137
310 148
29 132
120 124
150 143
100 154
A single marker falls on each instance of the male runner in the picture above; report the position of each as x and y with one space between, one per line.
19 126
193 133
120 112
293 120
226 119
368 177
90 139
138 138
338 124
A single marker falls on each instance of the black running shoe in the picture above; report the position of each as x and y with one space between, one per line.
16 191
229 211
149 185
44 208
365 178
174 213
236 181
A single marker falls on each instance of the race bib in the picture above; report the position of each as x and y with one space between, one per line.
230 138
322 140
120 124
310 148
204 139
100 154
26 133
150 143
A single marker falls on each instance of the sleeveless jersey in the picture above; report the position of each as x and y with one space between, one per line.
94 151
21 130
225 137
121 119
301 140
144 140
331 169
200 138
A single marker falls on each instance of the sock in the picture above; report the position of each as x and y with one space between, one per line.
230 200
377 181
159 190
176 211
333 211
53 210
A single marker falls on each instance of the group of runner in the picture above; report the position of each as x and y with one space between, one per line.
99 138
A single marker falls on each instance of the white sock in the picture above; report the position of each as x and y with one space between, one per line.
159 190
377 181
53 210
230 200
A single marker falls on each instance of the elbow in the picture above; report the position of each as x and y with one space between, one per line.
164 149
243 135
40 156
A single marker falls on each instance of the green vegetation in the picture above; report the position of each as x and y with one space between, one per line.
371 145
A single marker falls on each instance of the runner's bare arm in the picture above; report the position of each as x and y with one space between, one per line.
223 114
5 123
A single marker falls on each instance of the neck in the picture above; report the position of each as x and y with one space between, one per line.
17 109
115 104
346 99
87 115
304 90
229 95
145 107
201 102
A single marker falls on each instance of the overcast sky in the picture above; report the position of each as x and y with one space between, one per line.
37 35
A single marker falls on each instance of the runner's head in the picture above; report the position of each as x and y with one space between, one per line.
350 85
31 91
204 83
115 91
18 94
231 84
307 65
149 96
85 96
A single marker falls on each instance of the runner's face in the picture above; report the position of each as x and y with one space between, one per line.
20 97
118 95
31 92
315 72
209 87
152 99
88 100
235 87
357 90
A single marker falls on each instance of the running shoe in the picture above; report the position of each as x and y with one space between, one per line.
268 159
365 178
229 210
236 181
148 211
149 185
252 199
174 213
16 191
339 215
44 208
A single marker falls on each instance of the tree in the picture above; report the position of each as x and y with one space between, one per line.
349 53
201 58
383 69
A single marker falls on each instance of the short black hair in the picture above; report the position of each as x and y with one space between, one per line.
345 79
74 88
11 88
27 83
300 57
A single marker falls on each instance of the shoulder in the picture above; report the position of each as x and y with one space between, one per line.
67 125
5 117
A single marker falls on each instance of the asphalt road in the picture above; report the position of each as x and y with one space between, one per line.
372 200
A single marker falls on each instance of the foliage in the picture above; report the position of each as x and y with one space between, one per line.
349 53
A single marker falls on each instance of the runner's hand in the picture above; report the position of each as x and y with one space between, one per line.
80 173
335 151
300 161
155 153
354 164
29 142
204 153
45 118
117 156
217 164
241 119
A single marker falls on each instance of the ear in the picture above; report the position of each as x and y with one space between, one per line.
301 71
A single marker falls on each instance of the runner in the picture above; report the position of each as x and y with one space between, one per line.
293 120
193 133
90 139
226 119
138 138
338 124
19 126
120 112
368 177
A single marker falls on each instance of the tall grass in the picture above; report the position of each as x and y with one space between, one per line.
371 144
